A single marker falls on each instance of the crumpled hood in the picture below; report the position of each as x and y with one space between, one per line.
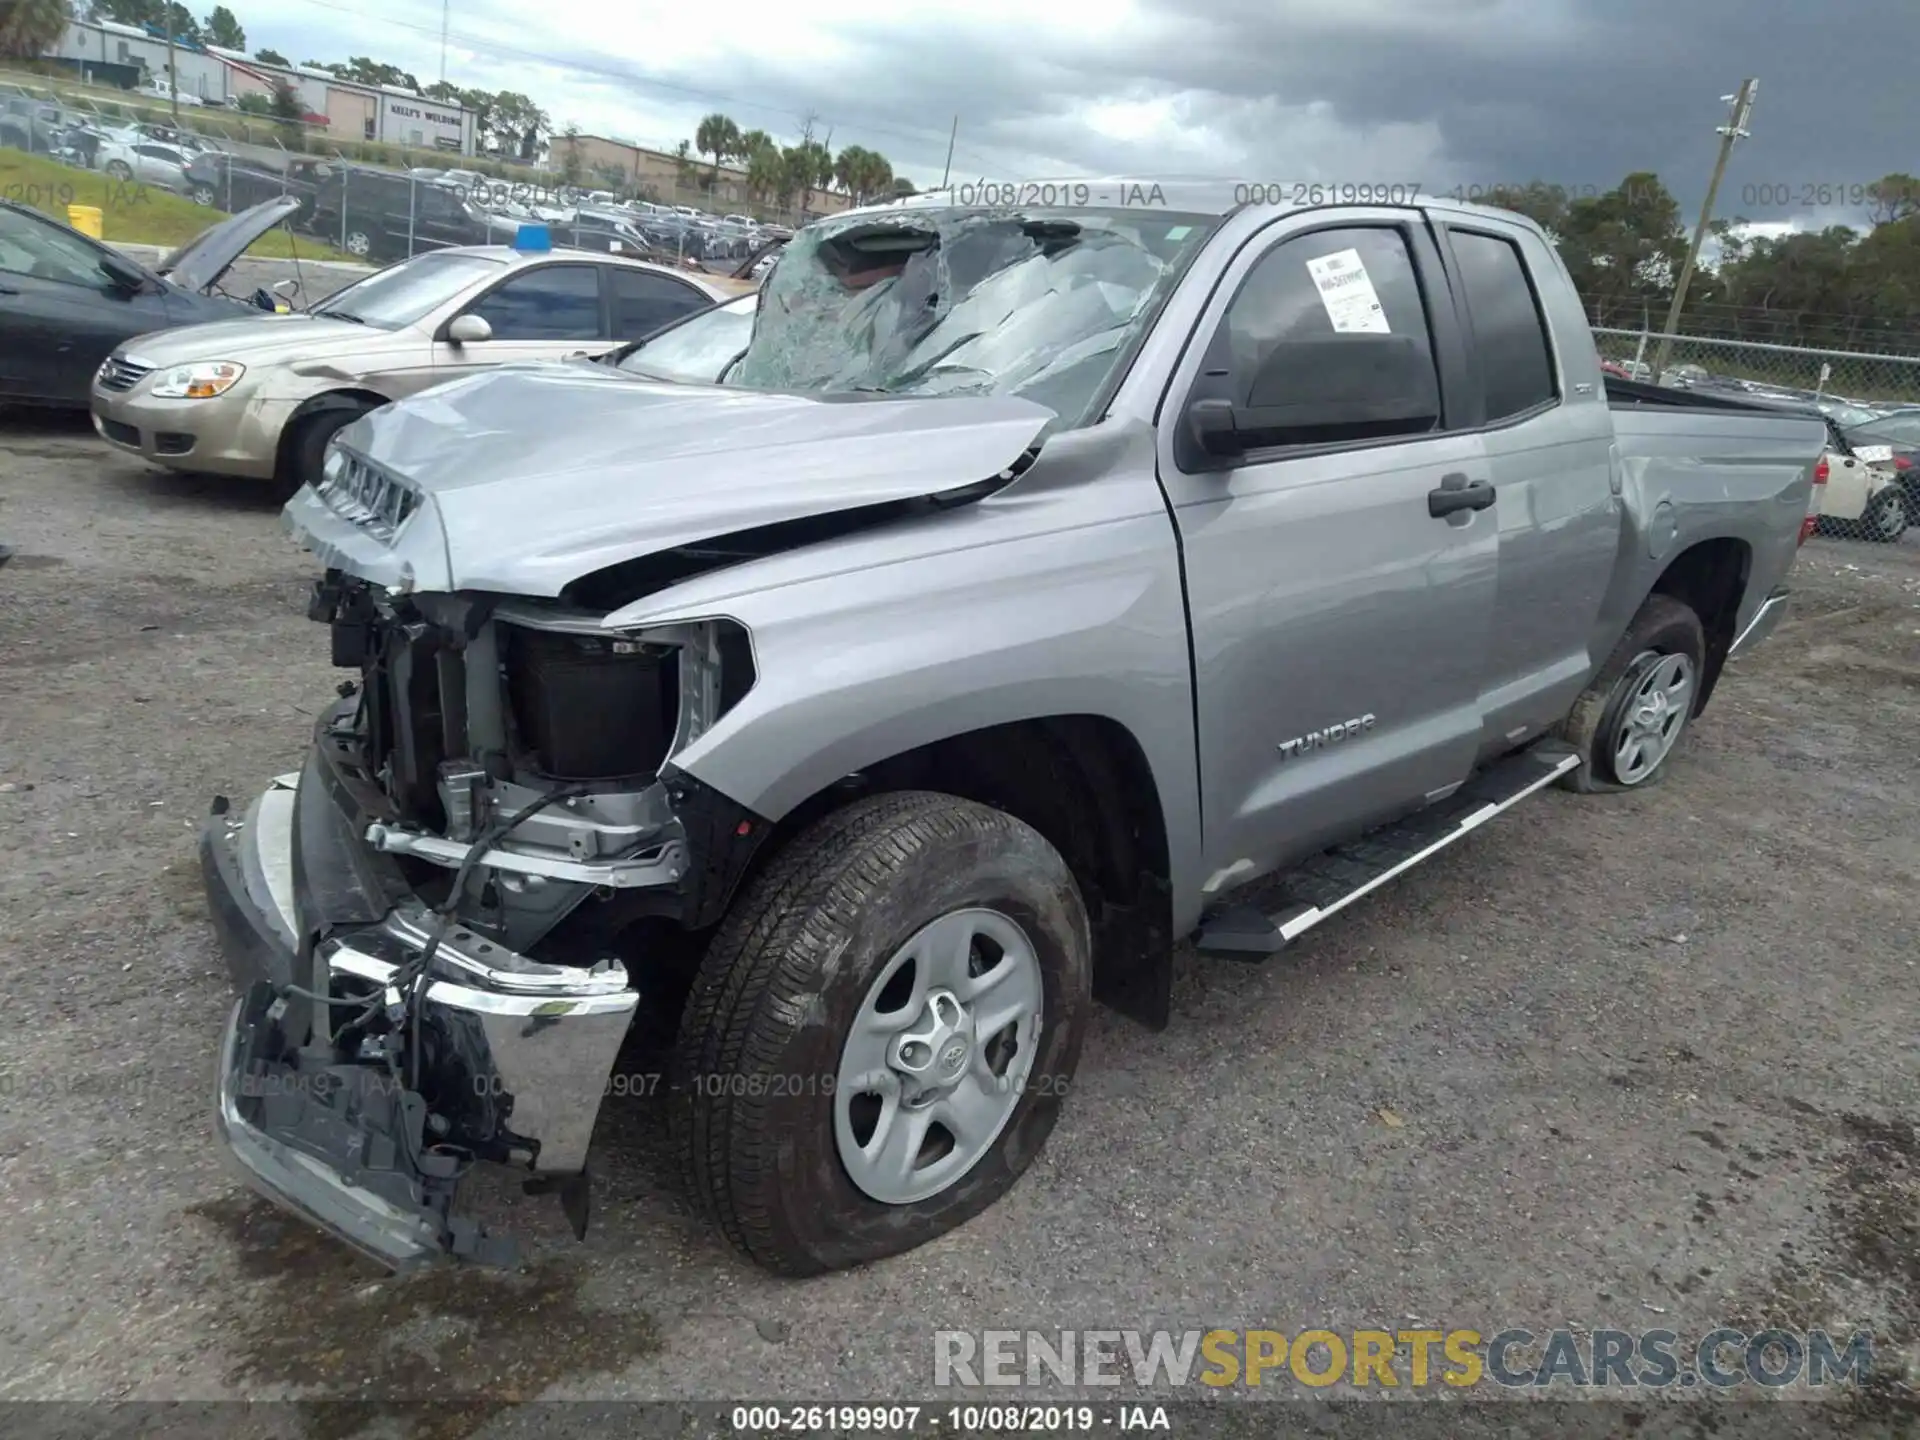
532 478
256 339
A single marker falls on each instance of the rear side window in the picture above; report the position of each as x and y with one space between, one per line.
644 301
1508 329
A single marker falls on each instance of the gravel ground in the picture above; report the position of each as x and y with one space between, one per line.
1625 1061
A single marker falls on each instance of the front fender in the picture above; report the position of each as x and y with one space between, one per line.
1060 595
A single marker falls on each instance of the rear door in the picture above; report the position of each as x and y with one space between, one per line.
1541 409
1339 624
540 312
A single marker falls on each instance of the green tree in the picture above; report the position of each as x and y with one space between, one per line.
272 57
1895 198
367 71
684 171
903 187
718 136
254 103
223 29
862 173
290 115
132 12
766 170
30 28
572 169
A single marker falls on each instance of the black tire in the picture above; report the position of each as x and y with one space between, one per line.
307 446
1886 517
120 170
787 971
1663 626
201 195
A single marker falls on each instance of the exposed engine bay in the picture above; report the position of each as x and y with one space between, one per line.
489 825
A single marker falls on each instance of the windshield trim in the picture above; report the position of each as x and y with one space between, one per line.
614 358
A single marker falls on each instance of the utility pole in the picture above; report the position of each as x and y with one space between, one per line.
952 135
173 71
1734 129
445 9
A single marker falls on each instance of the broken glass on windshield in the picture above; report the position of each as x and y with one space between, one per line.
965 302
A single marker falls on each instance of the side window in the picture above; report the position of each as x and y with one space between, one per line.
643 302
1326 342
554 302
31 247
1508 330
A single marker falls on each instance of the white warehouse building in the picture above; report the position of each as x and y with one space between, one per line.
104 52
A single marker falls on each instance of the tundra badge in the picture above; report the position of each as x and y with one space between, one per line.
1333 734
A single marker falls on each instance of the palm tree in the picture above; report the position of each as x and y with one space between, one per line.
719 137
30 28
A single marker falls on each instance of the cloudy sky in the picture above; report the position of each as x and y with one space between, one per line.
1450 93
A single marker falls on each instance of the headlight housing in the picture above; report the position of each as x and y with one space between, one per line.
197 382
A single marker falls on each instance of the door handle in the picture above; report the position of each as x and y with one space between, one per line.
1456 494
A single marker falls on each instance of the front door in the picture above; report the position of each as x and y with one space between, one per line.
543 312
60 315
1339 624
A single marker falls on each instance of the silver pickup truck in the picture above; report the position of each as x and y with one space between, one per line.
1045 581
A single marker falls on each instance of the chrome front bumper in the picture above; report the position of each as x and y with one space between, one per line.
519 1052
1765 620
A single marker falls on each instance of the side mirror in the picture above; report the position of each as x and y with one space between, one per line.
468 330
124 273
1210 422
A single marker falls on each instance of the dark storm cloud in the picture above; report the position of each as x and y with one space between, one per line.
1450 92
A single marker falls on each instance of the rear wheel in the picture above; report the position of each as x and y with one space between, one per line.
1630 720
119 169
307 447
201 195
881 1034
359 242
1886 518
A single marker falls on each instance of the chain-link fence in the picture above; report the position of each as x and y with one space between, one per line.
373 202
1872 404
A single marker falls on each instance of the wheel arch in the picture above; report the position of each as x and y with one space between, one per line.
1084 782
342 398
1710 577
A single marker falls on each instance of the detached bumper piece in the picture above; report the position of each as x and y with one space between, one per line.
365 1127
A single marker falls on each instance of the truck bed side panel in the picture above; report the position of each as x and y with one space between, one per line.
1692 474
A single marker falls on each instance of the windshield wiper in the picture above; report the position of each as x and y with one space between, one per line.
341 315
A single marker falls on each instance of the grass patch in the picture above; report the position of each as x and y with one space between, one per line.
133 214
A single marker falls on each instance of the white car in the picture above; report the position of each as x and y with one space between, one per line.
147 162
160 90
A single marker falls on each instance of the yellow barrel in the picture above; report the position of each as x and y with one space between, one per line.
85 219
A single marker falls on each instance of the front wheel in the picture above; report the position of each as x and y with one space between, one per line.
1629 721
881 1034
119 170
306 447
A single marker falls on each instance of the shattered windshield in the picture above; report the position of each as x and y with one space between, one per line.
1039 304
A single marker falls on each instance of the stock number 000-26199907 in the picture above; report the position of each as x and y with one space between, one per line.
903 1419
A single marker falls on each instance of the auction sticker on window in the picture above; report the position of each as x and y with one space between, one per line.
1347 292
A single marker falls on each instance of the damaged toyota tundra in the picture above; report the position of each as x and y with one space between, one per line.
1044 583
